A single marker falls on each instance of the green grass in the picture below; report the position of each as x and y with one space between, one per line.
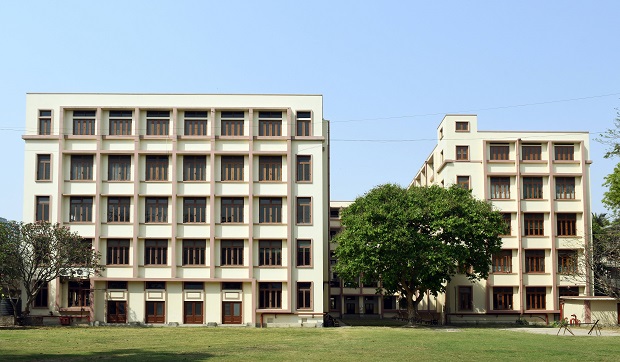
293 344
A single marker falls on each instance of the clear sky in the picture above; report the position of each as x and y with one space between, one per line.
388 70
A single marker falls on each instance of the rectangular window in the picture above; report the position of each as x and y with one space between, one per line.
270 124
269 168
155 312
499 152
565 188
232 209
155 285
532 188
270 210
157 123
78 293
84 123
194 252
194 168
304 253
304 168
465 298
531 153
534 224
42 298
462 126
534 261
567 224
232 168
44 167
463 182
45 122
269 252
232 123
304 122
81 209
117 252
462 153
502 262
156 210
567 261
304 295
81 167
116 284
536 297
508 221
196 123
304 210
334 212
119 168
502 298
500 188
43 208
193 286
120 123
270 295
155 252
231 252
156 168
194 209
564 152
119 209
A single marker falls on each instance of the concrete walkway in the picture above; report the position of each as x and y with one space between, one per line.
578 331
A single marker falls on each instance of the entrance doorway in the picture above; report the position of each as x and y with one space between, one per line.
193 313
117 311
232 313
155 312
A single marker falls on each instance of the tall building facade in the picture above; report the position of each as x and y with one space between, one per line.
206 209
540 183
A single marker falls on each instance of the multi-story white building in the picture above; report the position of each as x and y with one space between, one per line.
540 182
206 208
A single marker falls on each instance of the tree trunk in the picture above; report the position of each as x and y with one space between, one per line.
412 308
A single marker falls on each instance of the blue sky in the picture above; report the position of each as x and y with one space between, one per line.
388 70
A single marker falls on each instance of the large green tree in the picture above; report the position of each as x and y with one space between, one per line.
415 240
35 254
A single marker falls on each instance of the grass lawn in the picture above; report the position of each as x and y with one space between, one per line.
292 344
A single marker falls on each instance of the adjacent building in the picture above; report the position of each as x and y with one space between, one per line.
206 209
540 183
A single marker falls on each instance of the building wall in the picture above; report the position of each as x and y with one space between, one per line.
62 144
484 165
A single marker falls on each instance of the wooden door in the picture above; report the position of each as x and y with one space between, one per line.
155 312
232 313
193 313
117 311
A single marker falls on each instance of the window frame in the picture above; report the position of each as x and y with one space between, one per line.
194 210
82 168
232 123
270 123
194 168
503 298
499 152
156 210
118 250
533 187
303 211
119 167
568 260
44 167
269 253
564 152
194 252
533 224
119 209
77 295
535 261
157 123
196 123
232 253
42 300
303 253
44 122
502 262
465 298
232 168
82 212
461 126
507 217
270 210
269 168
462 153
42 210
120 122
536 298
304 124
83 122
304 295
499 186
156 169
232 210
531 152
565 188
566 224
303 172
156 252
463 181
270 295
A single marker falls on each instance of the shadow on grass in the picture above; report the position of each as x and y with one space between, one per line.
116 355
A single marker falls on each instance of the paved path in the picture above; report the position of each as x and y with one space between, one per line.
579 332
